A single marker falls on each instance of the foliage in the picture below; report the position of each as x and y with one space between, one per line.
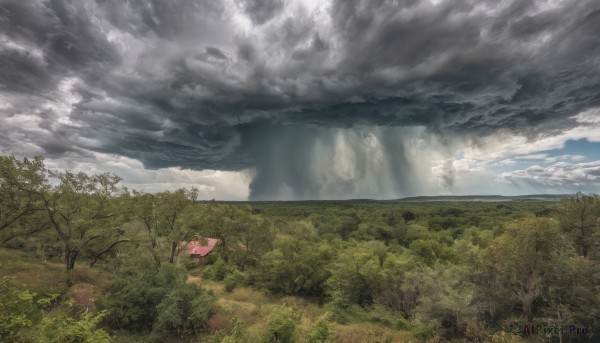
296 265
579 218
524 257
62 328
448 302
184 310
21 182
16 308
355 274
283 322
190 264
321 330
233 280
145 298
217 271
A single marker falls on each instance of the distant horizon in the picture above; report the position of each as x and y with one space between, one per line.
549 195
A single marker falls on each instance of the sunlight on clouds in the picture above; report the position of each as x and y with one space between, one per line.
220 185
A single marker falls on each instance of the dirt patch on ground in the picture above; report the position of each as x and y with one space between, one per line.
84 296
218 322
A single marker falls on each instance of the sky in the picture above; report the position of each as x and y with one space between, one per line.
290 100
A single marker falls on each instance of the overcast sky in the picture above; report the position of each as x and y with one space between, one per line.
282 99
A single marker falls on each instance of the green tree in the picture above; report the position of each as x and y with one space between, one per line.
524 257
297 263
144 298
447 300
355 274
178 220
348 225
81 209
145 209
222 224
580 218
283 322
21 181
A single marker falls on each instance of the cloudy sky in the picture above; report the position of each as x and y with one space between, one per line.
305 99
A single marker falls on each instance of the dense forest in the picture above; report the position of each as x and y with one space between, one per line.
83 259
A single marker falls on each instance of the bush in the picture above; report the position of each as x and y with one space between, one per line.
320 331
184 310
233 280
217 271
144 298
282 325
190 264
16 308
62 328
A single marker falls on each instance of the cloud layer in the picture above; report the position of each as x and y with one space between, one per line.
335 99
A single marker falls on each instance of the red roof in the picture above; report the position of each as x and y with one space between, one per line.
202 248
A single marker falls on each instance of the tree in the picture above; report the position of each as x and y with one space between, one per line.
580 218
447 303
144 209
571 293
20 206
81 209
178 219
408 216
348 225
524 257
355 275
254 237
222 223
296 265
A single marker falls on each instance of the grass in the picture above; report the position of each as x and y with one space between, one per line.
252 308
32 273
49 277
370 333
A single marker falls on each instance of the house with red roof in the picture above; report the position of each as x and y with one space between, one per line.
201 248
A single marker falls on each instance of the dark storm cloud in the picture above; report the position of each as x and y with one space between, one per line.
191 84
64 33
261 11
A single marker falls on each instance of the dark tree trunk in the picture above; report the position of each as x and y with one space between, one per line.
173 250
70 257
106 251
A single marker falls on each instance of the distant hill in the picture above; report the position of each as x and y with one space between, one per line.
447 198
537 197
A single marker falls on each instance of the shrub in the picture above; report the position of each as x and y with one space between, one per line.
190 264
282 325
145 298
233 280
184 310
16 308
217 271
320 331
62 328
